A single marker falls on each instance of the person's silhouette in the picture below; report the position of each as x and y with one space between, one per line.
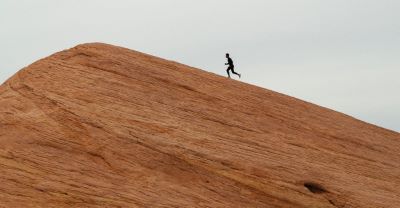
231 67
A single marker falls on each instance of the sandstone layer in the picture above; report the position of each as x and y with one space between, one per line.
104 126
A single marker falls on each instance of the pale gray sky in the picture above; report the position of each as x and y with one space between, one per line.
341 54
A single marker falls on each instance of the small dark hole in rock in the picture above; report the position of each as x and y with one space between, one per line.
315 188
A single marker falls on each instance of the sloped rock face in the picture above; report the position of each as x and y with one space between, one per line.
104 126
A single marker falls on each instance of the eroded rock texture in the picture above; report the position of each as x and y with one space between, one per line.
104 126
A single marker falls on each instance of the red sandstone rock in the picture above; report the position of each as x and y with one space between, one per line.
104 126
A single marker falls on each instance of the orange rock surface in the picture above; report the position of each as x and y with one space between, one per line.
104 126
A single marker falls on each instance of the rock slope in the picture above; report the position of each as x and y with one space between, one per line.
103 126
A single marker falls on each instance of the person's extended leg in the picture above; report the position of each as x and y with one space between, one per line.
227 71
233 71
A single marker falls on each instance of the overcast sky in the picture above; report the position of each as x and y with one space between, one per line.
341 54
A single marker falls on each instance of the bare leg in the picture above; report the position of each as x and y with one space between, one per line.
227 71
233 71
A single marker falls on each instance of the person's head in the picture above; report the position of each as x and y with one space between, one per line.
227 55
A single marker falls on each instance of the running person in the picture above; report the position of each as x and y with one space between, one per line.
231 66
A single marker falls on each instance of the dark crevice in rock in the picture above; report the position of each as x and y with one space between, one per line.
315 188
